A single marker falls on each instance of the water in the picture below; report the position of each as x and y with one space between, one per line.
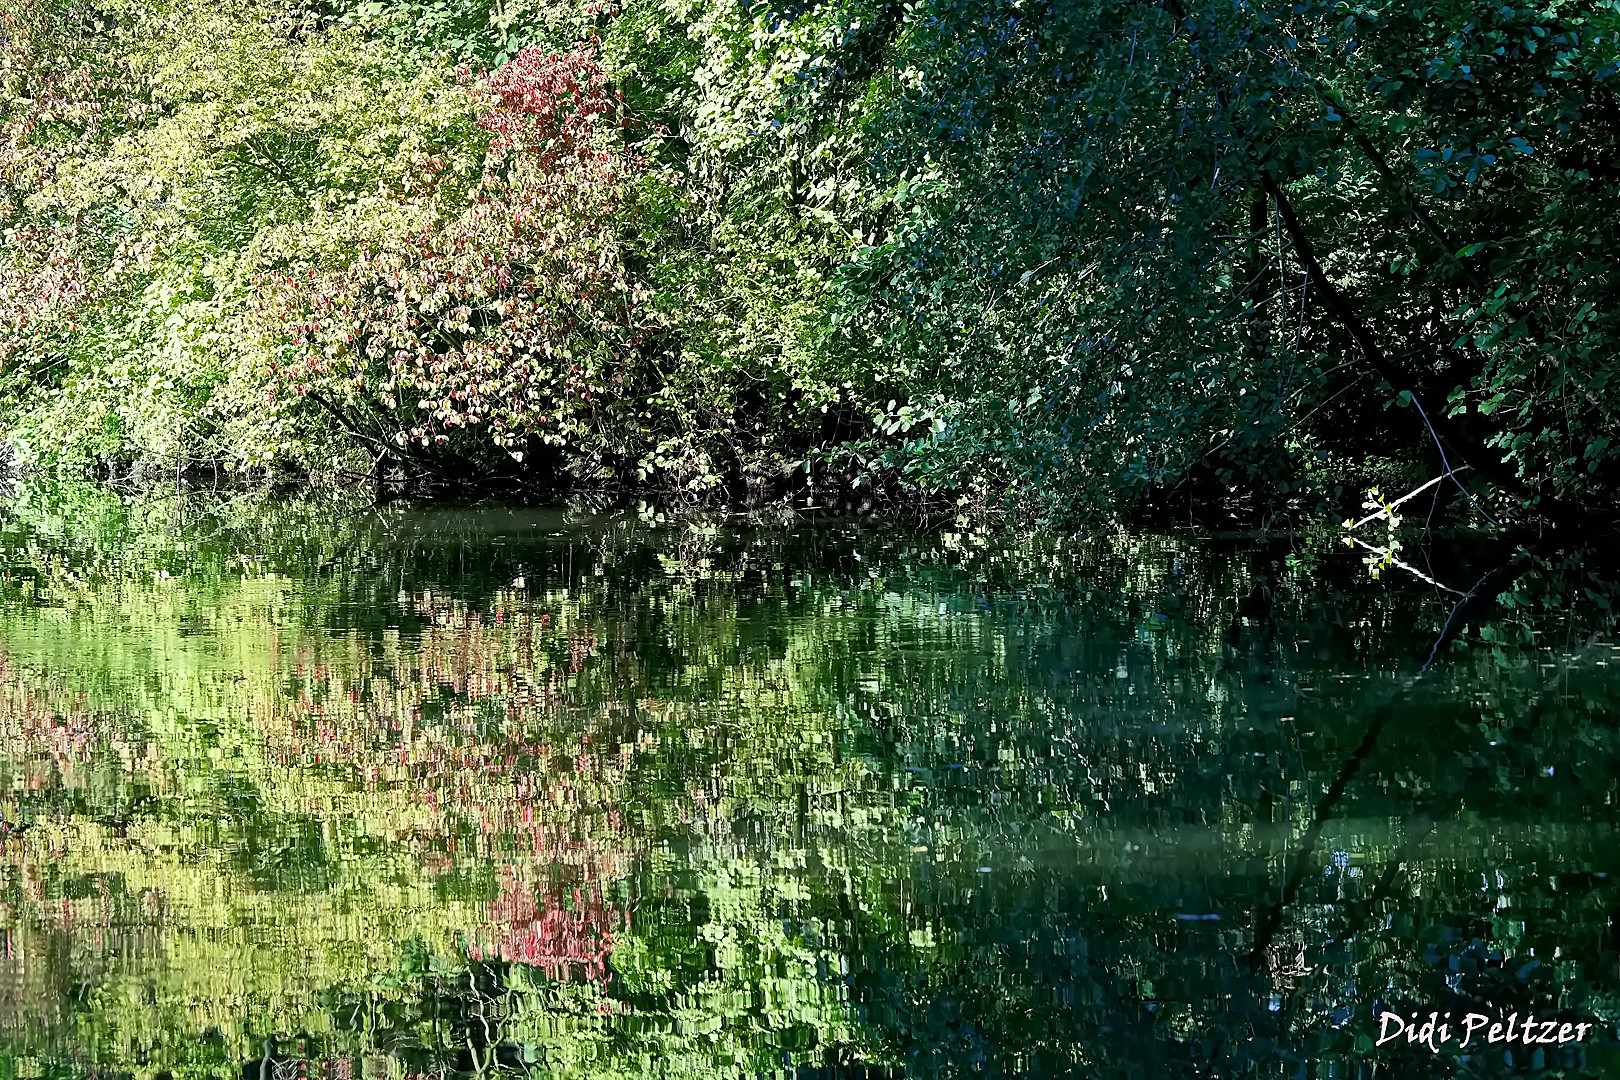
307 788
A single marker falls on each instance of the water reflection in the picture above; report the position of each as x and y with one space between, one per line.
293 788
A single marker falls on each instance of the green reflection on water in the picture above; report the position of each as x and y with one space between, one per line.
293 786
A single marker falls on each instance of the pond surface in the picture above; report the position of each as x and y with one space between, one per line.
310 788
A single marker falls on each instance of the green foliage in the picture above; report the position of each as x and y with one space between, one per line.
1059 256
253 147
1507 115
764 193
1095 290
477 32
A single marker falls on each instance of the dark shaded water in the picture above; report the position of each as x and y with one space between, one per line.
311 789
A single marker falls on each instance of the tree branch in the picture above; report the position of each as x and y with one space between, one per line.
1329 296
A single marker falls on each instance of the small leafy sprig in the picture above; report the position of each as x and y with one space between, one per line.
1380 557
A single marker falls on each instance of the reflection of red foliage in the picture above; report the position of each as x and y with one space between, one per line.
540 932
51 737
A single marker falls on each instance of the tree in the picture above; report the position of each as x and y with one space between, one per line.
517 316
1088 190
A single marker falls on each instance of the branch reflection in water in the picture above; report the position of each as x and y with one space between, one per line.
302 785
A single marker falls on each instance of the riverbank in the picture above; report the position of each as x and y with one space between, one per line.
689 248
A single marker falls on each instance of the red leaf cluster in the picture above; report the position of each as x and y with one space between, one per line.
518 315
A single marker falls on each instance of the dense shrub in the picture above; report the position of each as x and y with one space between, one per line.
516 319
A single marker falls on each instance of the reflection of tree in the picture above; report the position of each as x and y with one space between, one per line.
307 799
746 803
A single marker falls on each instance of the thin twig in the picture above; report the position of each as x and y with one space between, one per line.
1384 511
1449 470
